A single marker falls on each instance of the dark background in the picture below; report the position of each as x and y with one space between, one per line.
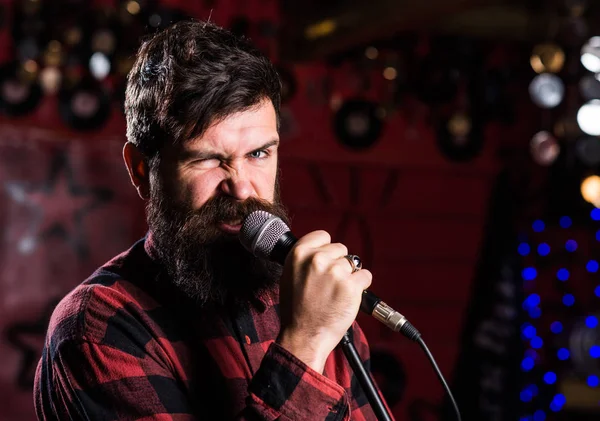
407 135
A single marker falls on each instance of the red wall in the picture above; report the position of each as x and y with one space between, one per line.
416 219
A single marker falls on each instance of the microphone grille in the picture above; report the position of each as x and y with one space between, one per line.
260 232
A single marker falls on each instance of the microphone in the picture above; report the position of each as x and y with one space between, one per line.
267 236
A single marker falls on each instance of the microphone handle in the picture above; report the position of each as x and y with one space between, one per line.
282 247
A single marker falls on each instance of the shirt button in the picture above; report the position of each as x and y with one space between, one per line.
248 340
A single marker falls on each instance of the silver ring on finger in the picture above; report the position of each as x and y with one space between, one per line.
354 261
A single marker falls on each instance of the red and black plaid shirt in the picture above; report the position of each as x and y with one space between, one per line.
124 345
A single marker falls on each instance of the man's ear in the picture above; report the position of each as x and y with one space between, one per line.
138 169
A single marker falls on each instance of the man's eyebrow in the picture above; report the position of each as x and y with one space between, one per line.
273 142
187 155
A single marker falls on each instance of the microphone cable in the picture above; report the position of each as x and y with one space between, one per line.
372 305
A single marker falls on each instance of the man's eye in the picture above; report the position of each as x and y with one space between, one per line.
259 154
207 163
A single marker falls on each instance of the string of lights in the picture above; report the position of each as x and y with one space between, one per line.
561 332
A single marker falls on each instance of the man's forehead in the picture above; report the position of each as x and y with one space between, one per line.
251 127
250 136
223 143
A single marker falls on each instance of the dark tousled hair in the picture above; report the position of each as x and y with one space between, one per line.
189 76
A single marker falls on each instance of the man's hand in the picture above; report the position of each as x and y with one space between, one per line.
319 298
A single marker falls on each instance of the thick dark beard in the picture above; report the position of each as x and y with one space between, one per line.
205 263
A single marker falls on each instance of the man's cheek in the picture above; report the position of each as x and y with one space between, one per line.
201 190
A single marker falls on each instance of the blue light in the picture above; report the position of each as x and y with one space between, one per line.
524 249
533 389
529 274
568 300
534 312
543 249
592 266
536 342
558 402
593 381
539 415
538 225
595 214
571 245
529 331
532 301
591 321
555 407
565 222
598 235
550 377
562 274
595 351
527 363
526 396
556 327
525 419
559 399
597 291
531 353
563 354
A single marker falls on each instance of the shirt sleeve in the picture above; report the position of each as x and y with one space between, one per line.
91 381
286 388
83 380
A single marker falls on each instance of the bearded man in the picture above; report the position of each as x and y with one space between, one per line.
187 324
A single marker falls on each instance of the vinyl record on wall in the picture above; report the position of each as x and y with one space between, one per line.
357 124
85 106
20 92
460 137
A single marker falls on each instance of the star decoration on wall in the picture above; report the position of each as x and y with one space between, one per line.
28 339
58 206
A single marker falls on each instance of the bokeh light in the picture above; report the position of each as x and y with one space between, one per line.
568 300
591 321
556 327
529 273
550 377
538 225
571 245
524 249
562 274
527 364
565 222
592 266
563 354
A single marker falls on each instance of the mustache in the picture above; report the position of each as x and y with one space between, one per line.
227 209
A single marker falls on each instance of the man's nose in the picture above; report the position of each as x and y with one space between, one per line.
237 185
